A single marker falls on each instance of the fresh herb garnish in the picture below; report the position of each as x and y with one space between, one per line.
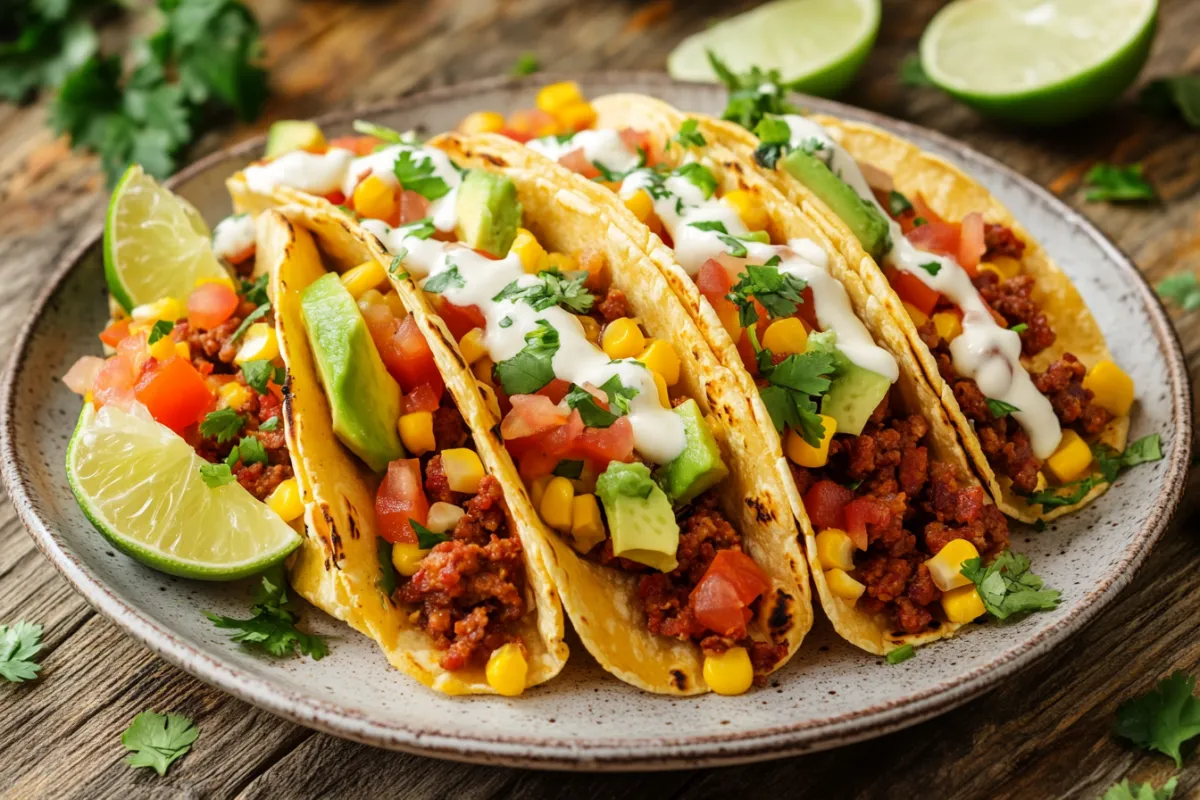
932 267
387 581
1140 791
19 643
161 328
1183 289
157 741
591 412
446 279
732 243
397 262
612 176
1144 450
255 291
1007 587
251 318
553 288
427 539
912 73
1163 718
919 221
999 408
901 654
224 424
421 229
569 469
1180 94
506 322
527 64
1020 327
700 177
753 94
381 132
216 475
1109 183
417 175
898 203
774 141
689 135
269 424
778 292
273 626
252 451
257 374
794 385
530 369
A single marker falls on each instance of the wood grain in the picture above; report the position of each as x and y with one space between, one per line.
1045 734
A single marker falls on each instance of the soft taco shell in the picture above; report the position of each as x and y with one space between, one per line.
337 568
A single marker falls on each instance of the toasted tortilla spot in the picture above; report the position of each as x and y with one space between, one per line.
781 613
679 680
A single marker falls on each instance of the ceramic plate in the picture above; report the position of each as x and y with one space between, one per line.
830 694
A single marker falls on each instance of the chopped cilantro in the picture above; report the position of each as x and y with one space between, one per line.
553 288
1146 449
591 412
1163 718
999 408
1007 587
700 176
161 328
1140 791
397 262
269 424
446 279
387 580
612 176
215 475
778 292
252 451
273 626
380 132
689 135
421 229
569 469
1179 93
157 741
932 267
898 203
224 424
251 318
753 94
255 291
774 141
530 369
257 373
1108 183
1183 289
527 64
418 176
919 221
1020 327
794 385
427 539
901 654
19 643
506 322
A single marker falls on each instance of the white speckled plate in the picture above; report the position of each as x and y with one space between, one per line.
830 694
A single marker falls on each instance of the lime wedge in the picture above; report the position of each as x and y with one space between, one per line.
1040 62
155 244
140 485
819 44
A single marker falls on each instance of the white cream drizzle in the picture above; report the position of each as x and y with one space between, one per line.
603 146
233 236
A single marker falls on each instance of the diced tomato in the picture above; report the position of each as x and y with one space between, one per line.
576 161
937 237
531 415
533 121
602 445
82 374
460 319
556 390
515 135
337 198
359 145
173 392
714 282
210 304
913 291
642 140
807 310
538 455
825 503
722 598
113 384
422 398
412 207
401 498
921 209
114 333
412 361
863 511
971 245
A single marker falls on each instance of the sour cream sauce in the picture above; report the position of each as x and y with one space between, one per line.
233 236
603 146
658 433
985 352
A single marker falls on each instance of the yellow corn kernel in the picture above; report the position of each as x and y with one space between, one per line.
661 384
489 397
481 122
557 501
259 344
835 550
640 204
163 349
1003 266
234 395
506 670
285 500
918 316
587 529
730 672
661 357
622 339
167 308
183 351
416 431
1113 389
946 567
395 305
529 250
562 262
1071 460
537 489
575 116
785 336
471 345
552 97
948 325
962 604
374 198
406 558
463 469
482 370
443 517
803 453
367 276
591 328
748 207
842 585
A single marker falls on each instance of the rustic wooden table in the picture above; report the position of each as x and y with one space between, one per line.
1044 734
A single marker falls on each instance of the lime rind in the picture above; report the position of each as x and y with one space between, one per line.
139 485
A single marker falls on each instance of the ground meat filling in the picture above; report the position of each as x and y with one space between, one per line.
1001 242
613 306
926 508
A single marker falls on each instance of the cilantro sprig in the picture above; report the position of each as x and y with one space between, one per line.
1112 184
553 288
753 94
224 424
1140 791
777 291
427 539
418 175
591 412
1182 289
1110 463
530 369
699 176
689 135
774 141
1007 587
272 629
1163 718
446 279
157 741
19 643
218 475
259 372
161 328
999 408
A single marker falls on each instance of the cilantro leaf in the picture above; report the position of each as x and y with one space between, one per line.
901 654
216 475
553 288
568 469
251 318
224 424
689 135
255 291
382 132
753 94
912 73
778 292
793 386
609 175
418 176
530 369
446 279
252 451
1163 718
527 64
397 262
1020 327
41 43
1007 587
1183 289
157 741
506 322
427 539
932 267
19 643
269 424
1108 183
273 626
387 581
591 412
161 328
898 203
257 373
421 229
1180 94
774 141
1140 791
999 408
700 176
1146 449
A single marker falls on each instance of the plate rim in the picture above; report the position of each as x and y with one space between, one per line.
557 753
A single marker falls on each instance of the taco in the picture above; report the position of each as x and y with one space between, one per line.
1000 332
877 478
411 538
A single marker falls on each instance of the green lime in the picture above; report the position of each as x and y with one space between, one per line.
155 244
818 44
139 484
1040 62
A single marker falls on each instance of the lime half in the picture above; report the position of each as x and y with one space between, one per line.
1040 62
140 485
820 44
155 244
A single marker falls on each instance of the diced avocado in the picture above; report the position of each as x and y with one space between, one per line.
860 215
363 397
699 467
641 521
293 134
854 393
488 212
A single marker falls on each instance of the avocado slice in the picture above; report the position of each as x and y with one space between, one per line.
641 521
293 134
865 221
363 398
854 393
488 212
699 467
